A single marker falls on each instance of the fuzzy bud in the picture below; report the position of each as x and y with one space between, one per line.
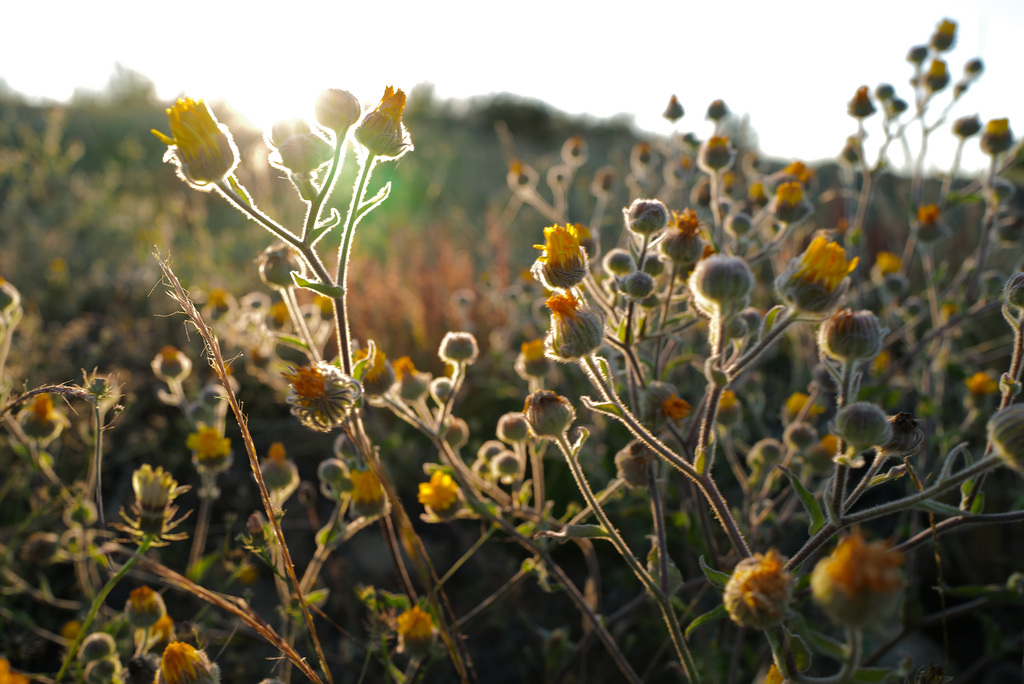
862 425
512 428
637 285
547 414
634 463
646 217
859 585
759 591
276 265
1006 434
505 467
97 646
458 348
850 336
997 137
337 110
575 332
1013 293
721 281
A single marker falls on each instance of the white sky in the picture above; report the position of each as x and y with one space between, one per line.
791 66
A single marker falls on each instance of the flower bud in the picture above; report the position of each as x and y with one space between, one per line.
170 365
40 420
861 106
789 205
997 137
917 54
674 111
382 132
966 126
104 671
458 348
97 646
576 331
653 264
574 151
800 436
412 385
717 111
416 632
201 147
739 224
895 107
929 226
547 414
633 464
1013 293
646 217
333 476
1002 190
1010 230
1006 434
719 282
636 285
729 409
276 264
862 425
441 389
183 664
144 607
379 377
563 265
280 473
512 428
884 92
485 454
531 361
683 244
759 591
847 336
763 456
337 110
505 467
456 433
716 154
367 493
945 36
302 154
859 585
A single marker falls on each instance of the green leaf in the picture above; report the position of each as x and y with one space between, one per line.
821 643
317 598
807 499
239 190
325 226
771 317
716 577
605 407
712 615
332 291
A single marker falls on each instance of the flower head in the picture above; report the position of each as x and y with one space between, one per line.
814 281
380 374
789 205
201 147
280 473
415 631
944 36
155 491
683 243
758 591
796 402
144 607
997 136
888 263
321 395
382 132
860 583
675 408
7 676
211 451
861 106
40 420
575 330
440 494
531 362
183 664
981 384
563 264
548 414
458 348
367 493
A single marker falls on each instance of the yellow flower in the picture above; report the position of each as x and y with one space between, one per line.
415 631
70 629
210 449
981 384
201 147
40 420
380 374
144 608
163 630
756 194
183 664
321 395
440 493
367 493
860 583
795 404
880 364
815 281
155 491
928 214
727 400
575 330
675 408
7 676
403 367
887 263
563 264
759 591
532 350
382 131
789 205
800 172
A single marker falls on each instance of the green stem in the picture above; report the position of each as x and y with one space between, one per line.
348 232
645 578
97 602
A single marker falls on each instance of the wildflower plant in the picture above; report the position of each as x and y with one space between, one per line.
713 388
